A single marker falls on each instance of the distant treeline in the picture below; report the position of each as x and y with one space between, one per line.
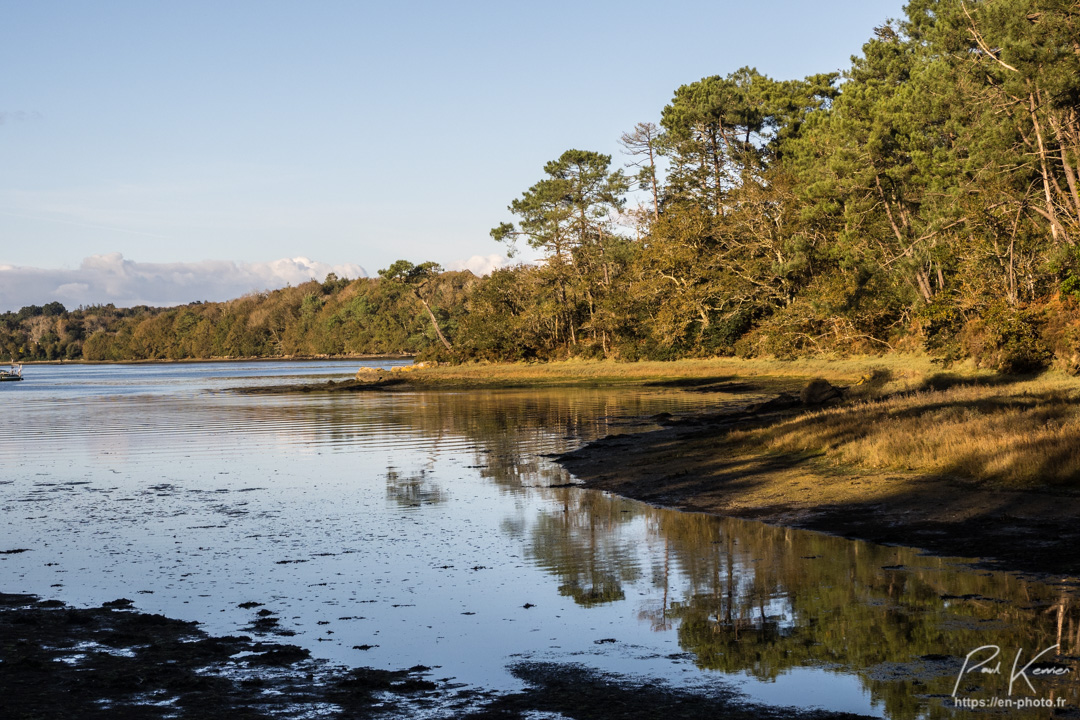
334 317
927 198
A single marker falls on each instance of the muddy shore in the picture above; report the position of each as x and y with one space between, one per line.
113 662
688 464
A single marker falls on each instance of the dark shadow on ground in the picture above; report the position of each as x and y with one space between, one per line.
945 381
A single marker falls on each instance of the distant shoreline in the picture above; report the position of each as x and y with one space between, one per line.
194 361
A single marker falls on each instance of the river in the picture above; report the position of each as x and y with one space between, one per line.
387 529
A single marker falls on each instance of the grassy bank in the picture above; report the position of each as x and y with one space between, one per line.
962 463
697 372
901 413
1001 431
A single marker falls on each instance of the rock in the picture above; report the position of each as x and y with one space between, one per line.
783 401
818 392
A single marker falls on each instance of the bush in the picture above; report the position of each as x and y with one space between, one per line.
1008 340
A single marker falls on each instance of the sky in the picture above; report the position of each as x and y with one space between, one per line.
160 153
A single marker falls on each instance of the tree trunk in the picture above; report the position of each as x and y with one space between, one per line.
655 191
1063 141
434 323
1051 214
718 174
922 277
888 211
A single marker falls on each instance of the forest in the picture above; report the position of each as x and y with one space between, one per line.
927 199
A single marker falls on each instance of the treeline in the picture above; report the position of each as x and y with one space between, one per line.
333 317
927 198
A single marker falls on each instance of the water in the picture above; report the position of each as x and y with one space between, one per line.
391 529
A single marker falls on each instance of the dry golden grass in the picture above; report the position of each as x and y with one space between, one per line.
606 372
1020 433
903 414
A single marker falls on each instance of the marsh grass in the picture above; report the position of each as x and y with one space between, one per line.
902 413
1020 433
610 373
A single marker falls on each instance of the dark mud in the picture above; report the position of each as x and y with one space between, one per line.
375 382
112 662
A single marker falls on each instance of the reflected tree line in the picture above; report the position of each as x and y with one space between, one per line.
743 597
746 597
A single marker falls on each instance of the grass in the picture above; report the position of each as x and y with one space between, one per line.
1020 432
902 413
608 373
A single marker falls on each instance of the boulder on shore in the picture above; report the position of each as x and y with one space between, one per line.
819 392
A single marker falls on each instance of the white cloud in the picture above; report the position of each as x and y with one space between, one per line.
112 279
480 264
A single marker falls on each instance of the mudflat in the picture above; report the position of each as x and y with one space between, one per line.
111 662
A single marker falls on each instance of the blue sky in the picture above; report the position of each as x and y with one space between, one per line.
343 133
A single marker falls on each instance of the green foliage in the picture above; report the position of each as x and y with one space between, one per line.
1008 340
943 325
335 317
1071 286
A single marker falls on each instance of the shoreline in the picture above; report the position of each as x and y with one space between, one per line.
697 375
689 464
199 361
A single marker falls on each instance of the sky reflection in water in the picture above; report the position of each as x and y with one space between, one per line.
424 528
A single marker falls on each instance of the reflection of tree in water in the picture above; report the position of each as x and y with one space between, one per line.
413 490
580 544
744 597
748 597
762 600
510 430
513 429
659 616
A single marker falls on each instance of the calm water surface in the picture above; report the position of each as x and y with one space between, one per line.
391 529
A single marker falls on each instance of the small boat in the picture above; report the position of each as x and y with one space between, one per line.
15 373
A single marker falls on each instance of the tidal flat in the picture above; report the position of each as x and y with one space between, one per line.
423 548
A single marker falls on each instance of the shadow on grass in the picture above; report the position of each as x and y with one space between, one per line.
947 381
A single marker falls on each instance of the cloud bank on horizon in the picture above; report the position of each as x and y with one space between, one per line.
480 265
110 278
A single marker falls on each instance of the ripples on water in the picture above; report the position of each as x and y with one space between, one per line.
390 529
